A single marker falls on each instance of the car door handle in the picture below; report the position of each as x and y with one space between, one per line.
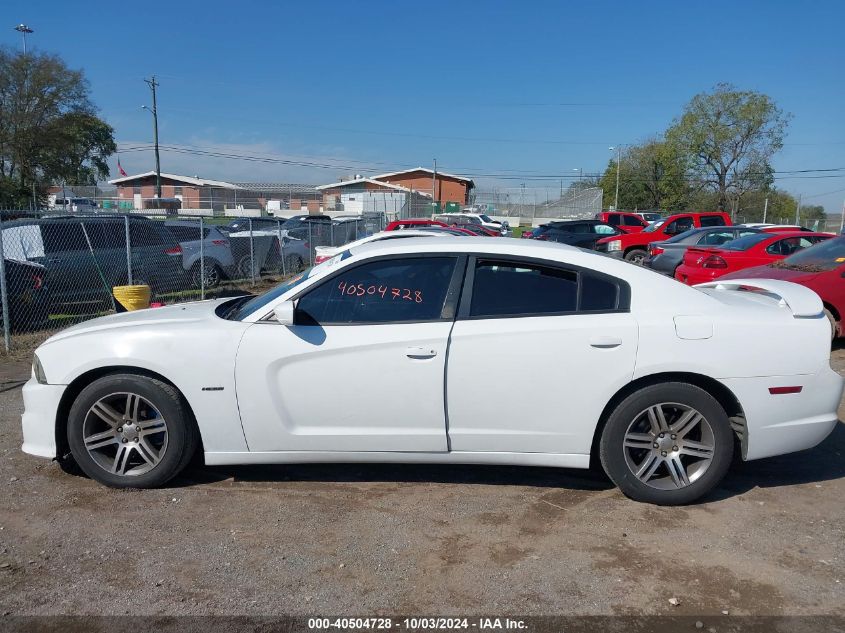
605 342
420 353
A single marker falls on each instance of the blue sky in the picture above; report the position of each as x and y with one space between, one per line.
488 88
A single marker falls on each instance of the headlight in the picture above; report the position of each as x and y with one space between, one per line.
38 370
614 245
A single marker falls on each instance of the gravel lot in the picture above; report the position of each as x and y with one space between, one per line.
351 539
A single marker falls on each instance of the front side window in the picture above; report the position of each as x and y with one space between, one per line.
60 237
383 291
604 229
679 226
633 220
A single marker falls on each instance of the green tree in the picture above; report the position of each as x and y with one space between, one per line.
729 137
651 177
49 130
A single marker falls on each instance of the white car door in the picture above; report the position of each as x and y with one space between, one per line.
363 367
537 351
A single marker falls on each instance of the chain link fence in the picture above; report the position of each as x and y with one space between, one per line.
541 205
58 270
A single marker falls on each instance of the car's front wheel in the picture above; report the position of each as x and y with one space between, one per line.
130 431
667 444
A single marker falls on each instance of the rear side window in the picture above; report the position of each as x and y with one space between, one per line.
143 234
712 220
632 220
384 291
503 289
613 220
106 234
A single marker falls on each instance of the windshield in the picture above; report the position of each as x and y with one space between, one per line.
651 228
260 301
744 243
822 257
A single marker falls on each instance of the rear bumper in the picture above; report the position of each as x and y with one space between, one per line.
785 423
41 404
693 276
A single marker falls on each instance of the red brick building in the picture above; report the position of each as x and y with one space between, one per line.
446 187
194 192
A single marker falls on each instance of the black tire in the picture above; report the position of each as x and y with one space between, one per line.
181 432
213 275
636 256
612 450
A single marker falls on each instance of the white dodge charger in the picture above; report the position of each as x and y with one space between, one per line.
384 354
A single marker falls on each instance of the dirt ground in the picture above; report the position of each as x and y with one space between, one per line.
352 539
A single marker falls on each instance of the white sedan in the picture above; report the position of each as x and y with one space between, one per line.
323 253
377 356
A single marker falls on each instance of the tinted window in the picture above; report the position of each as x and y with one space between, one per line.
789 246
598 293
712 220
613 220
142 234
412 289
104 235
187 233
63 236
826 256
502 289
679 226
632 220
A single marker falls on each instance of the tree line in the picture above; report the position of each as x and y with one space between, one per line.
716 155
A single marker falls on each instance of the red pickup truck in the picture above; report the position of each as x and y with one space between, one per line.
634 246
625 222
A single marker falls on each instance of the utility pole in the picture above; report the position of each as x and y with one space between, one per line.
23 29
765 209
153 84
798 211
842 222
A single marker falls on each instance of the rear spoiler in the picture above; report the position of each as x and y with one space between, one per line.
803 302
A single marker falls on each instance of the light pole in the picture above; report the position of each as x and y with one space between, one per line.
23 29
153 84
618 149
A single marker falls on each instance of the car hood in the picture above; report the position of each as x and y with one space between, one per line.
168 315
770 272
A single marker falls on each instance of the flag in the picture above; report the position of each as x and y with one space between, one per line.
120 169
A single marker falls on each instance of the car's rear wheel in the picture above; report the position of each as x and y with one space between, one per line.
667 444
213 275
129 431
636 256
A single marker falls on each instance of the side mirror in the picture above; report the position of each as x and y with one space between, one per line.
284 313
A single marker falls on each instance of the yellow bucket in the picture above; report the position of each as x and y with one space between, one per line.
133 297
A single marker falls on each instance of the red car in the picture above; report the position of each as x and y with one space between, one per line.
633 246
412 223
820 268
625 222
706 264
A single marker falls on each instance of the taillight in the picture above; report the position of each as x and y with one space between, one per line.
176 250
321 258
527 234
219 242
714 261
37 282
654 251
307 245
542 237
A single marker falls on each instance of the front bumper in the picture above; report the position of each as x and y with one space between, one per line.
41 405
785 423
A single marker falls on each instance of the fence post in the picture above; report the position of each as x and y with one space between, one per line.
251 254
310 247
7 329
128 250
202 260
281 245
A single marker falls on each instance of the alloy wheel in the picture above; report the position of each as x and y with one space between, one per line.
669 446
125 434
